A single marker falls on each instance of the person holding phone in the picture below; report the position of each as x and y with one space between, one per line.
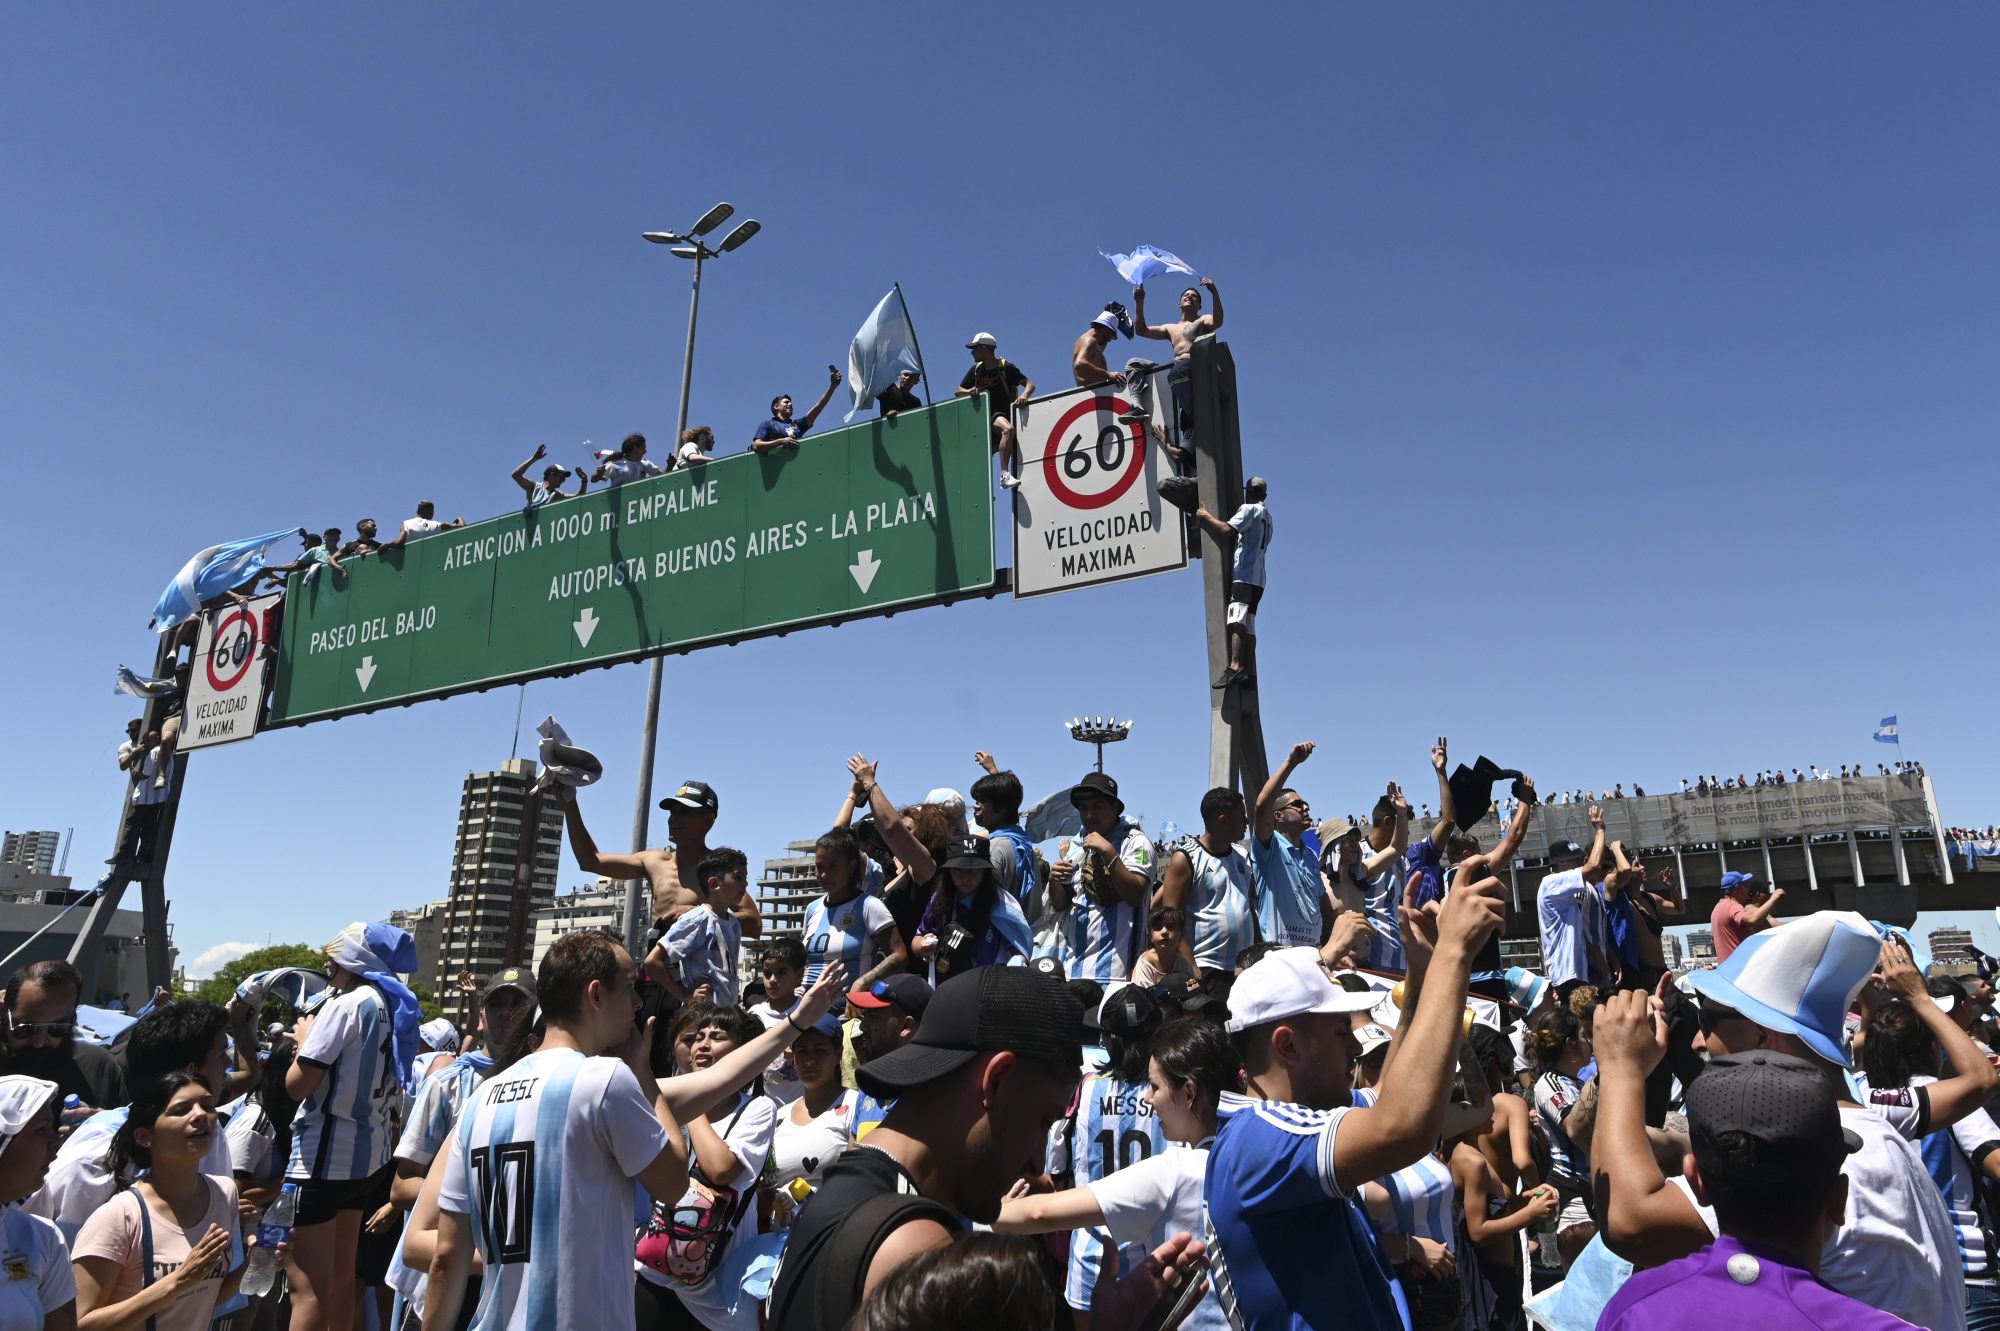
781 431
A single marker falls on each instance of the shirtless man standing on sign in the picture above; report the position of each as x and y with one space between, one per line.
1193 324
691 811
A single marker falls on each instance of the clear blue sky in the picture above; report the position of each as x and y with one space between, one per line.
1625 378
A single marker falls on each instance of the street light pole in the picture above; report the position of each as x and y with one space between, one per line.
1100 731
690 246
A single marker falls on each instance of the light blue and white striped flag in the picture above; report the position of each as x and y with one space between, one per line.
211 573
1147 261
1886 732
883 347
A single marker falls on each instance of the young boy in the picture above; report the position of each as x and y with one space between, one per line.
1164 929
695 960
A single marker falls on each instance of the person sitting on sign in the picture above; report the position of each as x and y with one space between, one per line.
318 554
697 446
1193 324
781 431
629 464
549 488
364 542
1249 529
421 525
1086 358
899 396
1006 386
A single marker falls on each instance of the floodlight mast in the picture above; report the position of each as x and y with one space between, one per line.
681 246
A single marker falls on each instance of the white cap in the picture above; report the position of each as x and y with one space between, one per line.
1288 983
982 340
1107 321
1373 1037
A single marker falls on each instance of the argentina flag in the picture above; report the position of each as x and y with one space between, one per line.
1886 732
883 347
211 573
1147 261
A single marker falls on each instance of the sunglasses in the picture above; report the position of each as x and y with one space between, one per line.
1710 1015
27 1030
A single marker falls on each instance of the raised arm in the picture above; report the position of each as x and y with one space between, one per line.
692 1094
1593 863
1408 1115
833 382
521 472
1762 911
1614 882
1399 840
1517 830
1215 301
1139 325
1447 812
1264 821
588 858
1971 1082
1646 1220
901 842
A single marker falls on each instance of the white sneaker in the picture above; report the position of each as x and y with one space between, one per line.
1010 482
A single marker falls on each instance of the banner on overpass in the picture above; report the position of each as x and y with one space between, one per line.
860 521
1761 813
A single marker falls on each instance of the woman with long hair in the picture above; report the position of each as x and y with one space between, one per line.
164 1252
40 1290
1189 1066
693 1250
969 921
1559 1045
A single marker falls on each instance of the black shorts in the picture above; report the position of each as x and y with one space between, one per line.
320 1200
1247 593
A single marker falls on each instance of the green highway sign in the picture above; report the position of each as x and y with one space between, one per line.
859 521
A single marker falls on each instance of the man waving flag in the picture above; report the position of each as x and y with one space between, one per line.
211 573
1886 732
883 347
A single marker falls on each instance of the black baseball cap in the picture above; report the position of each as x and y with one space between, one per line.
695 795
1785 1104
987 1010
1099 785
912 993
509 977
1564 850
1183 994
967 852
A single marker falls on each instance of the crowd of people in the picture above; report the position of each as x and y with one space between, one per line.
1229 1081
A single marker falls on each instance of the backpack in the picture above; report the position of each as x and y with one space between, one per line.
843 1266
686 1241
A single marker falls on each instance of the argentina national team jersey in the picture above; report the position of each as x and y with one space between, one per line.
342 1130
440 1101
1113 1127
1222 909
844 933
1287 1247
541 1163
1422 1196
1288 891
1104 939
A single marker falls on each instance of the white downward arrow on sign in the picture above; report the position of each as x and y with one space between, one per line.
586 624
863 569
365 672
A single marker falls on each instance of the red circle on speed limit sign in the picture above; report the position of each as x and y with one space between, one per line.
235 663
1092 454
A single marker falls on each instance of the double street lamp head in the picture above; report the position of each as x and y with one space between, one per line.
690 246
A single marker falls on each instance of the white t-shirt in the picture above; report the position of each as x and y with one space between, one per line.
251 1134
39 1277
343 1129
781 1079
690 452
1897 1250
718 1302
803 1150
1151 1200
1253 537
549 1149
415 527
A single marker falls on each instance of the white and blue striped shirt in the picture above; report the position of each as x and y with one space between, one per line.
845 933
343 1130
542 1163
1422 1197
1222 906
701 946
1113 1127
1104 940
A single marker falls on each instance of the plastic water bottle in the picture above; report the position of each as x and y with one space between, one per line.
273 1227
